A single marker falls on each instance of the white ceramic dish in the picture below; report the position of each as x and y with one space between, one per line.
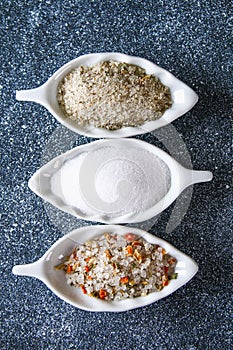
44 270
180 178
184 98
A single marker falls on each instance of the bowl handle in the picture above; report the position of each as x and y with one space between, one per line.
190 177
35 95
33 270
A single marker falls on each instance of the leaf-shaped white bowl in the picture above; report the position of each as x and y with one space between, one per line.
40 182
183 97
44 269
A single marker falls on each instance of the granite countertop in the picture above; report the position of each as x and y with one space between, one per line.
191 39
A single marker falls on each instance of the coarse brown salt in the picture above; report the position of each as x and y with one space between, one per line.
112 95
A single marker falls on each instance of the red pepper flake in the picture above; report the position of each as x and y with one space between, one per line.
124 280
86 268
136 243
165 269
165 282
102 293
83 289
87 259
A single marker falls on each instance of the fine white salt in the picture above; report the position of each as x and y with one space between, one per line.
132 179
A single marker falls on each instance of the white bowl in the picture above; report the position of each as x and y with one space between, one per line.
40 182
183 97
44 270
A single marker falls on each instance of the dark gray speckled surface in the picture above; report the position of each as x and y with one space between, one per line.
192 40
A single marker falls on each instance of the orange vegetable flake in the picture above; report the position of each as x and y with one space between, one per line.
171 261
108 254
102 293
69 269
138 256
124 280
129 250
